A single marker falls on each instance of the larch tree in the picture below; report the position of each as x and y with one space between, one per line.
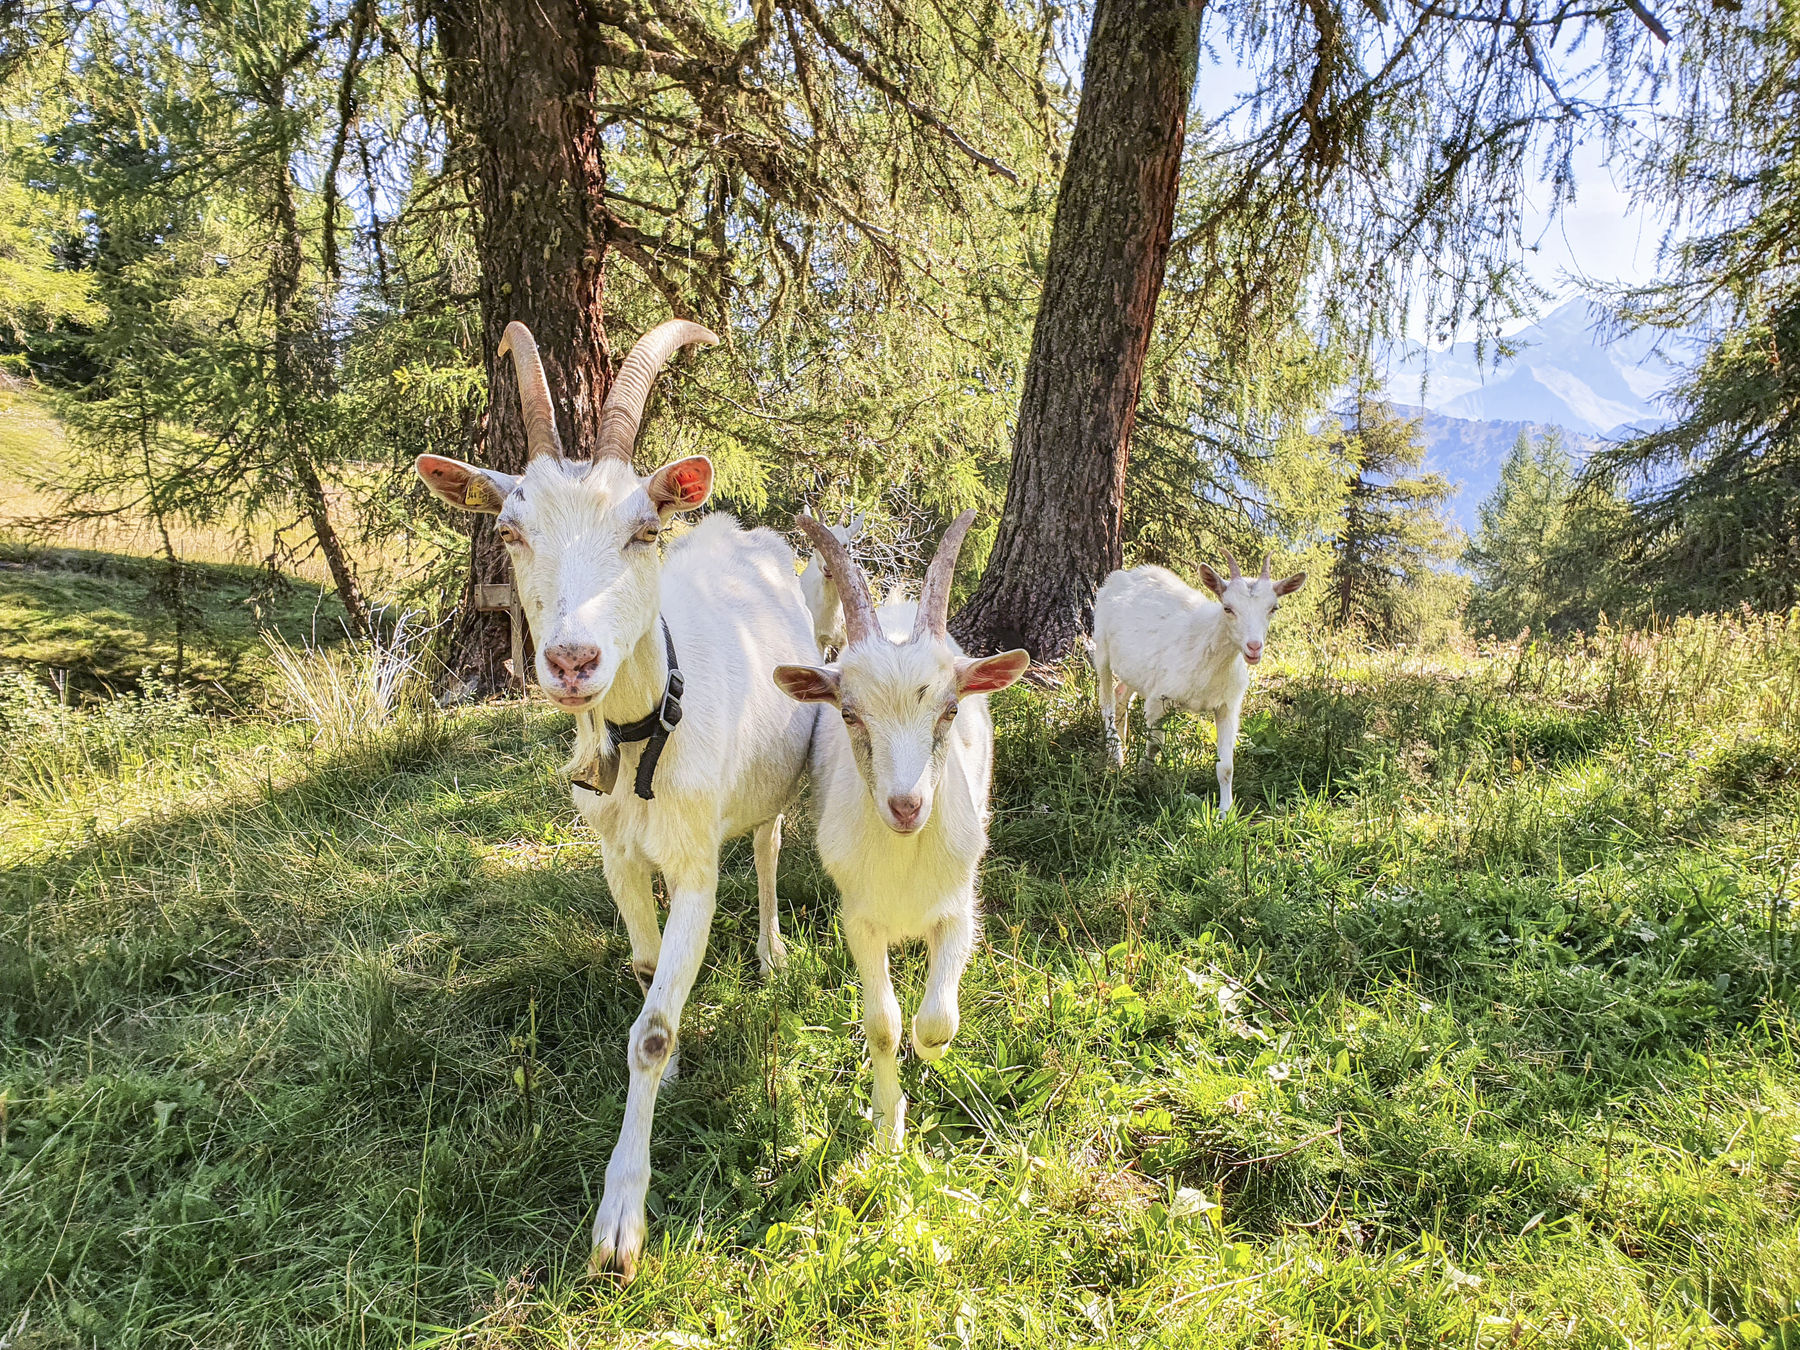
1380 159
795 111
1059 532
1390 566
1714 494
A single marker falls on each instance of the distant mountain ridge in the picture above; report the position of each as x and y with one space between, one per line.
1565 376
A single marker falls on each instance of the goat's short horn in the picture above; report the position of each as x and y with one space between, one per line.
1231 562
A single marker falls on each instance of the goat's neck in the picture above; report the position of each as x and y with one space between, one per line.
638 688
1213 647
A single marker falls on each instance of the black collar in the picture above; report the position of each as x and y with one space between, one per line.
653 727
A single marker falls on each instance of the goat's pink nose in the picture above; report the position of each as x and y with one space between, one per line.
1254 648
905 808
572 662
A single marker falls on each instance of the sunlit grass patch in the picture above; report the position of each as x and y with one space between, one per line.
1477 1029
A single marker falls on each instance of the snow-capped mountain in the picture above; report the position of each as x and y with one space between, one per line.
1566 375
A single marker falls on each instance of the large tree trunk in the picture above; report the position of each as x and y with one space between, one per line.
1060 532
522 88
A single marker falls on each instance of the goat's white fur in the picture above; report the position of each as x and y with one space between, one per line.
915 728
585 558
1157 636
821 590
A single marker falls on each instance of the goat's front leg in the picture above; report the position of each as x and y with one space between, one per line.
619 1226
881 1025
1227 721
771 952
628 878
950 944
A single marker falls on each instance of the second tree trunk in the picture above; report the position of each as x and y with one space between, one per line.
1060 532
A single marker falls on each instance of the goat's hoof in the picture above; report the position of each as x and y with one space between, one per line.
619 1232
932 1033
771 956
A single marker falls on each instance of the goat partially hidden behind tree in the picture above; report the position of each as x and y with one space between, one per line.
1157 636
633 643
902 780
821 590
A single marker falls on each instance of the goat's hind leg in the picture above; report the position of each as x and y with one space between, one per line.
1107 692
771 952
628 875
939 1015
881 1025
1155 709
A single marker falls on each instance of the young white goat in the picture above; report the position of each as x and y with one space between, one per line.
821 590
632 643
902 780
1157 636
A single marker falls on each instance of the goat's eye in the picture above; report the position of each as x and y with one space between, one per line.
508 535
851 719
950 713
647 533
1229 610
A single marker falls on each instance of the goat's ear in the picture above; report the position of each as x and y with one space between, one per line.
1212 580
464 485
990 674
681 486
1289 584
808 684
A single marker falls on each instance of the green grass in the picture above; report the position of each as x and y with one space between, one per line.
96 621
1476 1028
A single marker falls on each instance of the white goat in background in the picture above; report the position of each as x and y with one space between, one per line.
608 613
1157 636
821 590
902 780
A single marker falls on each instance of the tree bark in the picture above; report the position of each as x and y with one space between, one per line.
1060 532
521 84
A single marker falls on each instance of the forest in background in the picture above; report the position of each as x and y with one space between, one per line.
253 255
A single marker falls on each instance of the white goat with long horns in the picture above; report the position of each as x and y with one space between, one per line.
1157 636
902 780
633 643
821 589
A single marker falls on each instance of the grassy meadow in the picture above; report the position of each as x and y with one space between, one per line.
1476 1027
85 606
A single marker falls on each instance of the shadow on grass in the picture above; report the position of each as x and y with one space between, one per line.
376 1014
352 1047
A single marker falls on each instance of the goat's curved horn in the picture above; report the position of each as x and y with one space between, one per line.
1231 562
1267 558
624 410
534 391
934 599
853 587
